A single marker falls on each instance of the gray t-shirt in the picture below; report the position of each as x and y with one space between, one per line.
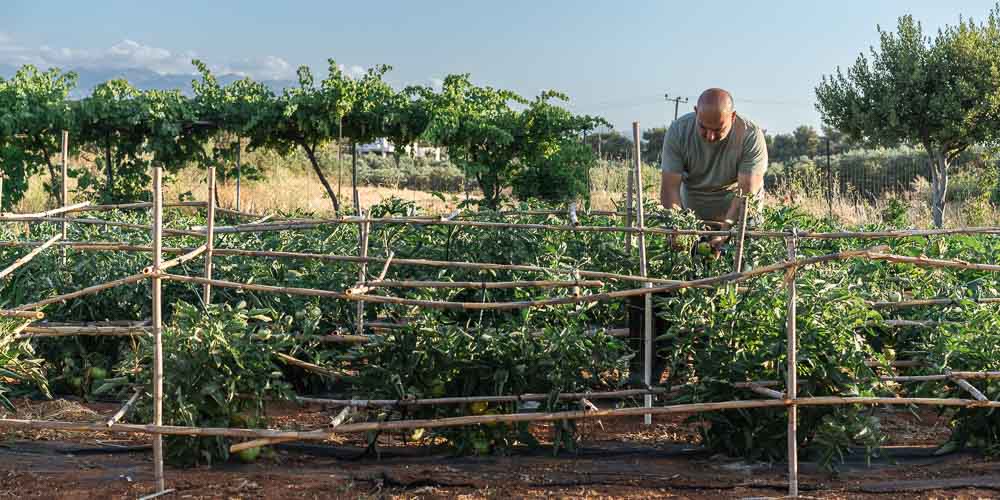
710 170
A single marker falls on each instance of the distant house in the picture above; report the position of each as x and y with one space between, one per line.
383 147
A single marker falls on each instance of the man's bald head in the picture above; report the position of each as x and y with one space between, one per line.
715 112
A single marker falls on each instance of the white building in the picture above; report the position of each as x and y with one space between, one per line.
383 147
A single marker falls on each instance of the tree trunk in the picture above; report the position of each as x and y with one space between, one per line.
939 185
109 188
354 177
56 179
322 179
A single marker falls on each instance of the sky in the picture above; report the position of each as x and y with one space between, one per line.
614 59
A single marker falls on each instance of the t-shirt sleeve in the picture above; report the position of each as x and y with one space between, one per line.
754 154
671 159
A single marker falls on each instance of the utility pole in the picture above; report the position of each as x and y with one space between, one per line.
677 103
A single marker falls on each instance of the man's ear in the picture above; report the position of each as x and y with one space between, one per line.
696 109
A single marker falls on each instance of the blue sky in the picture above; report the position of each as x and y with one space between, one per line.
615 59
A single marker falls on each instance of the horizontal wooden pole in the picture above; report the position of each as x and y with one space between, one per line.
138 205
600 297
300 224
126 225
90 290
8 217
28 256
176 261
483 285
932 302
8 313
87 331
322 435
513 398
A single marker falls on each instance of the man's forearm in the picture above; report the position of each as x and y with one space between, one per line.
670 191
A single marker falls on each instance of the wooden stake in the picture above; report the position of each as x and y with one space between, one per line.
647 361
239 177
90 290
176 261
90 331
628 212
40 216
744 208
157 326
362 275
124 409
27 257
970 389
792 385
210 235
64 188
7 313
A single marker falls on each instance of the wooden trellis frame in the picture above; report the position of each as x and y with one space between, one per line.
774 399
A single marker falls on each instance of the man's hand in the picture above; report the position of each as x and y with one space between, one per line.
717 241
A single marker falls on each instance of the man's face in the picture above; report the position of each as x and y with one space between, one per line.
714 125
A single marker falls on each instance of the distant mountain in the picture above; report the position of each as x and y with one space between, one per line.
143 79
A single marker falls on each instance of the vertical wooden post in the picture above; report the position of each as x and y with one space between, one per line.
647 338
1 191
744 208
792 382
365 227
64 188
628 208
157 326
239 166
210 234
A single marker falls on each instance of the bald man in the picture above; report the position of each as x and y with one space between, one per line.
709 157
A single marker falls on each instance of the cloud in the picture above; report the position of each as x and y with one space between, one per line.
437 84
353 72
130 54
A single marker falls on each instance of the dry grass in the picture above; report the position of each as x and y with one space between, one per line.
290 189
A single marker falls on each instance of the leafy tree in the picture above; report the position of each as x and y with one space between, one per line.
941 93
554 165
33 113
806 141
408 113
235 111
611 145
377 111
654 144
112 122
306 117
477 125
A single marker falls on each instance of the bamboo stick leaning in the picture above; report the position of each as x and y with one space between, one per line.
30 255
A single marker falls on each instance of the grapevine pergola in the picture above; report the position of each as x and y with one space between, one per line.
362 293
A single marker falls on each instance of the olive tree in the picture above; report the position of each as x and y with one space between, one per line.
941 92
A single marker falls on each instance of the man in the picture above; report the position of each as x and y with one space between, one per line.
709 157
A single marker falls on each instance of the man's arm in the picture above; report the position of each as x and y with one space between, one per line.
749 183
670 190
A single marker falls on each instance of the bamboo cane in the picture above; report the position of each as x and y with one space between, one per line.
792 387
764 391
157 318
90 331
970 389
515 398
86 291
928 262
744 209
483 285
8 313
101 222
30 255
127 322
600 297
64 187
628 211
933 302
452 215
6 217
306 365
572 214
362 274
319 435
124 409
138 205
647 330
341 417
209 235
344 339
176 261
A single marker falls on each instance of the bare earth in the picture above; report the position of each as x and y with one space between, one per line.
624 459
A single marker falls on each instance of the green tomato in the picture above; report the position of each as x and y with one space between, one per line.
249 455
704 249
98 373
895 296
